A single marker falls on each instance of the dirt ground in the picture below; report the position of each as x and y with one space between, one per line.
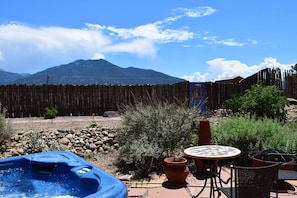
76 123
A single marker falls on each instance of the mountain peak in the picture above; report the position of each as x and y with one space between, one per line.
99 71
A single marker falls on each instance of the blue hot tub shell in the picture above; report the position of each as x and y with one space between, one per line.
94 182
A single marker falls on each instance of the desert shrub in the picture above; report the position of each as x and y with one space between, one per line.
250 134
94 124
264 101
151 132
50 113
38 144
6 130
234 102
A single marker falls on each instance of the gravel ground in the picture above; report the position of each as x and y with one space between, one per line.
76 123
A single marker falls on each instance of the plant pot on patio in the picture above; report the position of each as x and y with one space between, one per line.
176 170
271 156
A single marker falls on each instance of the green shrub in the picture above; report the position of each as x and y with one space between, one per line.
94 124
153 131
6 130
265 101
37 144
50 113
234 102
251 135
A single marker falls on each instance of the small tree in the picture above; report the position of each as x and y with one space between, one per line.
234 102
264 101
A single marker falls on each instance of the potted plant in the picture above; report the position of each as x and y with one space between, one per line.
176 169
271 156
175 165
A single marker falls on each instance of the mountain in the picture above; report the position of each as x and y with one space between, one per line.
83 72
8 77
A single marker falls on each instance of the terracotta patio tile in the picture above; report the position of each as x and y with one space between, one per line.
164 192
137 192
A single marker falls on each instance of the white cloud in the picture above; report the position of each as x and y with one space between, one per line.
140 47
153 32
196 77
37 47
220 68
34 47
228 42
271 62
98 56
1 56
195 12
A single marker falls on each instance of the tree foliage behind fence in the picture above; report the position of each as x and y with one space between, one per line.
31 100
220 91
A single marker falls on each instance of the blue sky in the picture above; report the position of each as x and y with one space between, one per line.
199 40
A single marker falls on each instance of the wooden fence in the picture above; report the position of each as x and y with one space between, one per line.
220 91
31 100
290 84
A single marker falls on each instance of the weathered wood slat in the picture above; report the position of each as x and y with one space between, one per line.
31 100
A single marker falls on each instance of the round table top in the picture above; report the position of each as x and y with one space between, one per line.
212 152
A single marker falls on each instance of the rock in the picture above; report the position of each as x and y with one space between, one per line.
16 138
61 131
116 146
105 133
64 141
69 136
292 101
83 142
98 143
125 177
14 152
92 146
111 135
21 151
111 114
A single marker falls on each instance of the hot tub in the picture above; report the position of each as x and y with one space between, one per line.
56 174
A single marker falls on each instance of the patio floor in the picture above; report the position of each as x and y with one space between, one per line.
158 187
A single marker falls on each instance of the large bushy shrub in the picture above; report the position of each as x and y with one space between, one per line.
263 101
151 132
234 102
250 134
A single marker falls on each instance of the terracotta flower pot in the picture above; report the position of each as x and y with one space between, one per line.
176 170
263 159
